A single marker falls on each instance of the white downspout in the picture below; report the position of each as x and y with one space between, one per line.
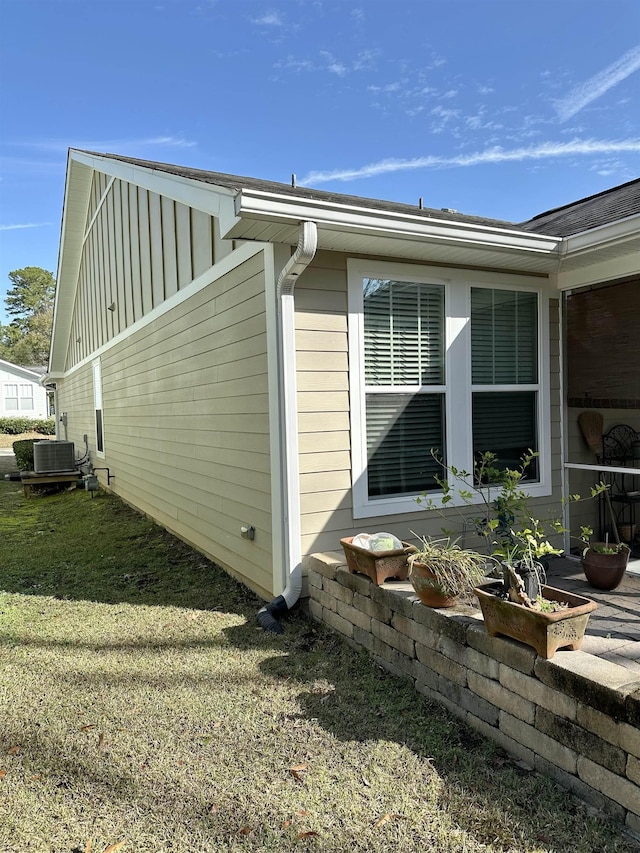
291 531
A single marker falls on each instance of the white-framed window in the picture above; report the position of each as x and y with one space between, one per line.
26 396
11 399
97 398
450 360
18 397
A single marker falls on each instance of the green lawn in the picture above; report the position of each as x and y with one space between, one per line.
140 703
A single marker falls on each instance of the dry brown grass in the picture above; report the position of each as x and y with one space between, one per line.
7 440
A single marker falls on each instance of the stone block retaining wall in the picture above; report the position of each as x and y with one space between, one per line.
575 717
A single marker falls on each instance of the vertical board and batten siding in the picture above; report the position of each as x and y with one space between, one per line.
324 421
140 249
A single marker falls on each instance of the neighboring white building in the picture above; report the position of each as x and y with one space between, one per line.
21 394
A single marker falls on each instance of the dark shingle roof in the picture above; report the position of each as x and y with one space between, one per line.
238 182
600 209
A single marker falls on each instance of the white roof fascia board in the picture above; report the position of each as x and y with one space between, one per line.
595 247
74 216
23 372
257 204
599 272
595 238
209 198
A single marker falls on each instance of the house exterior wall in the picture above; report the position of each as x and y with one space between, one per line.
140 248
31 399
183 365
324 415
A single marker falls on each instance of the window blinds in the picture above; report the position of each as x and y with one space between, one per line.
504 337
403 346
401 430
403 333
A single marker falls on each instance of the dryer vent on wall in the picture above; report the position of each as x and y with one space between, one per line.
50 457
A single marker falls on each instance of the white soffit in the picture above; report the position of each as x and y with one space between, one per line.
601 254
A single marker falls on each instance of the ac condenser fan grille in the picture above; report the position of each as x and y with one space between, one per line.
50 457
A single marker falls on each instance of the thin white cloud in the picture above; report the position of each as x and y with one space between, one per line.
597 85
26 225
332 64
111 144
544 151
271 19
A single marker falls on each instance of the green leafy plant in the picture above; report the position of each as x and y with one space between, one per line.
23 451
18 425
605 547
515 538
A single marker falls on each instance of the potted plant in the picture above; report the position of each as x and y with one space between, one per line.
440 571
519 604
604 563
385 560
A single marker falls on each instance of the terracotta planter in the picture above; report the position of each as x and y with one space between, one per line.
377 565
605 571
546 632
427 587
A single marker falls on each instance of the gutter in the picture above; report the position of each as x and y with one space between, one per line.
269 615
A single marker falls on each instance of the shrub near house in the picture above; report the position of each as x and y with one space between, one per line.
18 426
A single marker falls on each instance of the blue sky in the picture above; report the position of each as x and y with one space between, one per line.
501 108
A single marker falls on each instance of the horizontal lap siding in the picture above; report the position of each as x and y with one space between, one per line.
323 403
75 400
324 420
186 422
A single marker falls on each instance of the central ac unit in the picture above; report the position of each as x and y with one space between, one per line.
51 457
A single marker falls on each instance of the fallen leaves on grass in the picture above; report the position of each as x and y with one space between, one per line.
3 773
309 834
297 771
386 818
87 728
113 847
102 742
14 750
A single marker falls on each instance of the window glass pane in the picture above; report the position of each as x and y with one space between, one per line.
99 438
504 422
504 337
26 390
11 403
11 390
26 403
401 430
403 333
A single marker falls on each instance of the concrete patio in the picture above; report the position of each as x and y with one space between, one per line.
613 629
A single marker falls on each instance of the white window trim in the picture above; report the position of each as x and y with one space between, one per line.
458 413
97 403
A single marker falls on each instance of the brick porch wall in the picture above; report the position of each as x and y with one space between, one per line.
575 717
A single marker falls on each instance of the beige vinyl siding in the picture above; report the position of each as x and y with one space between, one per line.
75 400
324 421
186 421
139 250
